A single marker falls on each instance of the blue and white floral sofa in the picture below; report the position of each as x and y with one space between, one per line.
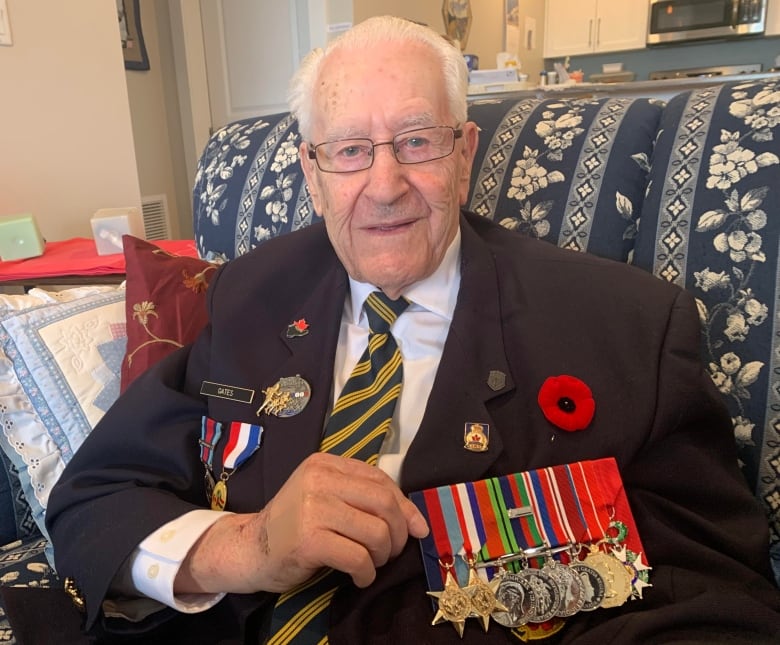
688 190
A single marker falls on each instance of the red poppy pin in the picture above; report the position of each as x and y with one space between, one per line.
297 328
567 402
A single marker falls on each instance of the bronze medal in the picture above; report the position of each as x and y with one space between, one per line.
454 604
617 581
219 496
483 598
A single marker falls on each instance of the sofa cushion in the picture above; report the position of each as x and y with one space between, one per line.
571 172
710 224
249 187
59 373
165 303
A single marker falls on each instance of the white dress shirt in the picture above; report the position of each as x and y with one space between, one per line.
420 332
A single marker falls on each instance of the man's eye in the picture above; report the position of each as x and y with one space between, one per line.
415 142
351 151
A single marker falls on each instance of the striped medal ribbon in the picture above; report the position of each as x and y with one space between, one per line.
210 433
243 440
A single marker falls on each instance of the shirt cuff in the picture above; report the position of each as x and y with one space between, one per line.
157 560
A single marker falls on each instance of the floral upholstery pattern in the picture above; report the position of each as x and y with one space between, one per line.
249 187
571 172
710 224
23 563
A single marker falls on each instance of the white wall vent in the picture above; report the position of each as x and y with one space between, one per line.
155 212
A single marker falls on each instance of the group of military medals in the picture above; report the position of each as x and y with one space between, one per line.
607 576
285 398
514 550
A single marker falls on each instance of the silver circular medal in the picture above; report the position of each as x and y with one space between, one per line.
570 586
592 584
546 592
518 597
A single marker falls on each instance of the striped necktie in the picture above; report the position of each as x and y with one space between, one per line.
356 428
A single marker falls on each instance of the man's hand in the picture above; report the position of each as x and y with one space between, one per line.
332 512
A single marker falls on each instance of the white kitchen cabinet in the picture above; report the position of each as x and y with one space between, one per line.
573 27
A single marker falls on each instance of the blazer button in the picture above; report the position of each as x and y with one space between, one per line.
75 595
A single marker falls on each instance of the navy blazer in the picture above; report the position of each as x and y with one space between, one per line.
526 309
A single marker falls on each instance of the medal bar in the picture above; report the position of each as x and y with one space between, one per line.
534 548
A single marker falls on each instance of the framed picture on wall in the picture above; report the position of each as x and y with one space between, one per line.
129 16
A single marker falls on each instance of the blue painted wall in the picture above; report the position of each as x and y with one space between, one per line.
642 62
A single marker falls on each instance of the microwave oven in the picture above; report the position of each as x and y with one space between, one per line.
674 21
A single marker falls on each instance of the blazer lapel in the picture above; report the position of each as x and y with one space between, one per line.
473 370
288 441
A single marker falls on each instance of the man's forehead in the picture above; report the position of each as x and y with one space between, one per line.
358 91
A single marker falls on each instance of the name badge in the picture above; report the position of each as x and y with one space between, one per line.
230 392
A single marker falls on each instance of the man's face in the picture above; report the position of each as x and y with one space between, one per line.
390 224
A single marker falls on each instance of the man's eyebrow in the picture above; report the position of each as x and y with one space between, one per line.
416 121
345 133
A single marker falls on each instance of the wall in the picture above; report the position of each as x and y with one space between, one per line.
66 141
486 37
155 118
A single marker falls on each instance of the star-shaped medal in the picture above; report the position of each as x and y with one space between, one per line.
454 604
639 571
483 597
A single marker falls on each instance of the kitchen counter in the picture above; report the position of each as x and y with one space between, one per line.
662 89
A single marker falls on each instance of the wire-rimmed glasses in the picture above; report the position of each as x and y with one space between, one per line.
410 147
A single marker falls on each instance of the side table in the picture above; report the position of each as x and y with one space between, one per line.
76 262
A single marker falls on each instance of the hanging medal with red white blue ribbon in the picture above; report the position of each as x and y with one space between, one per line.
243 440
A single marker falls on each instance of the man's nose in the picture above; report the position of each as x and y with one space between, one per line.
386 176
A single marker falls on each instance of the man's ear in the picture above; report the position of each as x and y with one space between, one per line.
468 152
309 167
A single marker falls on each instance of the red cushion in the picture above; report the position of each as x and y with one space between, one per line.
165 303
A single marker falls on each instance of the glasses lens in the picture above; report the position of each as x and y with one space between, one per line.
346 155
425 144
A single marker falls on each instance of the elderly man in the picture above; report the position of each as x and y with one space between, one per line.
302 530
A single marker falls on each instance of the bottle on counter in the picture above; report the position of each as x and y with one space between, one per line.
542 78
552 78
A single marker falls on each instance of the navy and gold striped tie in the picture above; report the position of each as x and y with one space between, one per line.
356 428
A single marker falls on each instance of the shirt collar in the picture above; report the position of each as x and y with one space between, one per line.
437 293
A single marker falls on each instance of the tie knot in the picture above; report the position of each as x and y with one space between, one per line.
382 312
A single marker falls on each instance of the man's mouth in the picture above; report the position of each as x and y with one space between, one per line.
389 228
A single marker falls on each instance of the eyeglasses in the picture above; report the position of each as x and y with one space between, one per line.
410 147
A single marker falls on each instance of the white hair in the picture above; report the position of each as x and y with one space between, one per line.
374 32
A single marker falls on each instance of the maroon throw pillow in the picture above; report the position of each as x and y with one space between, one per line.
165 303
